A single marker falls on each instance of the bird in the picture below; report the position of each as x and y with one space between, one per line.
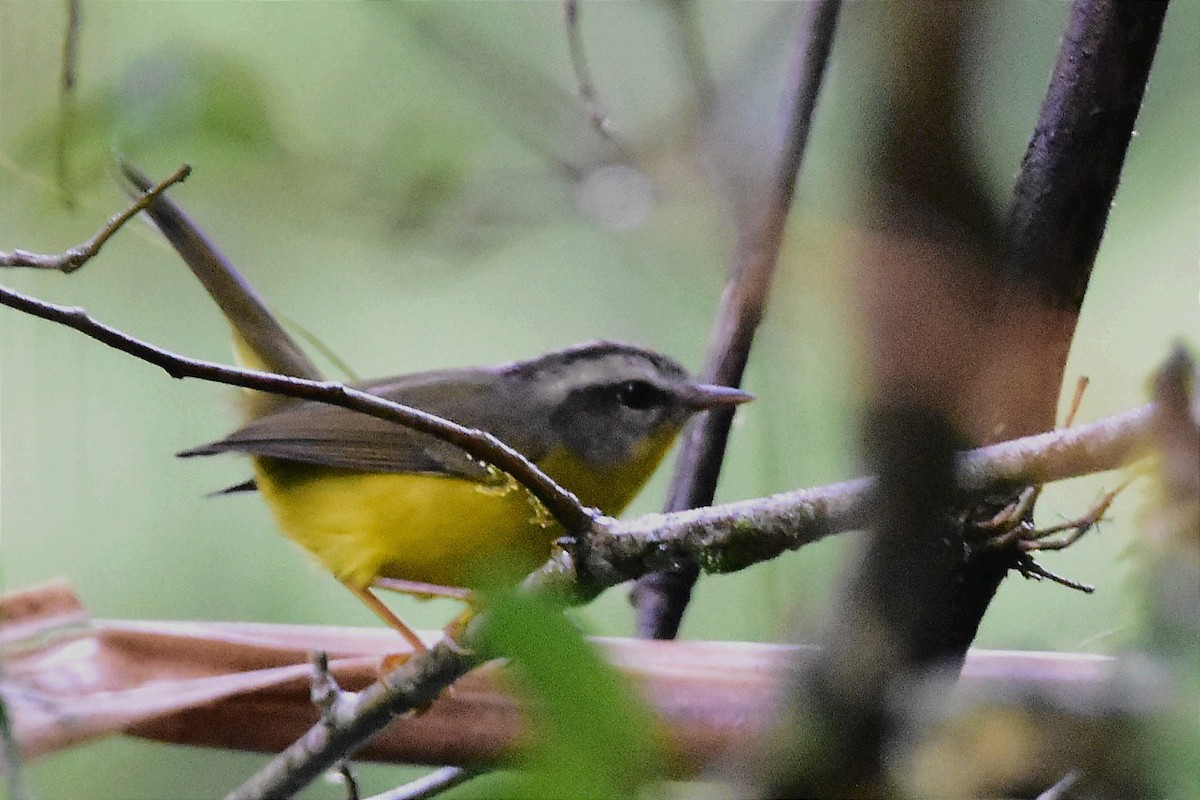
382 506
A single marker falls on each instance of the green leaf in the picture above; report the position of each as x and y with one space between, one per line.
592 737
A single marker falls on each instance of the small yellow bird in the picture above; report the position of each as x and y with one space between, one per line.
383 506
374 500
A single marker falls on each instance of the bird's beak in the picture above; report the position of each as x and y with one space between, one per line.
701 396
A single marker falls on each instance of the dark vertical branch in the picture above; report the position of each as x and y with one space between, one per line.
968 335
662 598
929 270
1073 163
1061 202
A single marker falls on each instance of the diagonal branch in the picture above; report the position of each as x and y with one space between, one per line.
1069 175
562 504
413 686
662 598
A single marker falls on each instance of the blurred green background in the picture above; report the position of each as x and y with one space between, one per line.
411 185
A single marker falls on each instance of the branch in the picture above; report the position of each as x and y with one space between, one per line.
413 686
1072 166
430 785
584 88
68 84
723 538
661 599
77 256
1061 203
733 536
563 505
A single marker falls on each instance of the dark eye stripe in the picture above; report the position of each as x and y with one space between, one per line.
639 395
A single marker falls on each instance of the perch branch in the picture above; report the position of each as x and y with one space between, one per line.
733 536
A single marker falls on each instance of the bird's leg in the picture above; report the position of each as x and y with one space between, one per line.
385 613
458 625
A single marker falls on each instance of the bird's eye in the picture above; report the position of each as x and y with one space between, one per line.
637 395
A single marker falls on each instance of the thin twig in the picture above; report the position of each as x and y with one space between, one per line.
77 256
66 103
563 505
662 599
347 777
584 88
1032 570
431 785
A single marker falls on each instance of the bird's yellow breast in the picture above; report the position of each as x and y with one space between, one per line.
433 528
428 528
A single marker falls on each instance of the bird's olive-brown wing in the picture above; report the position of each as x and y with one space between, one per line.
318 433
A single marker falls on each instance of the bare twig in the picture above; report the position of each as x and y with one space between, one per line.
334 704
77 256
563 505
1032 570
348 780
662 598
1040 538
583 78
66 103
430 785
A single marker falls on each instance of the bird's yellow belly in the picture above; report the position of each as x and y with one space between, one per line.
434 529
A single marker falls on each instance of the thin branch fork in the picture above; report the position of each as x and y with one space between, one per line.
79 255
563 505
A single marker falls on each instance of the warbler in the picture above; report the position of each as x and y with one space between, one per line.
384 506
